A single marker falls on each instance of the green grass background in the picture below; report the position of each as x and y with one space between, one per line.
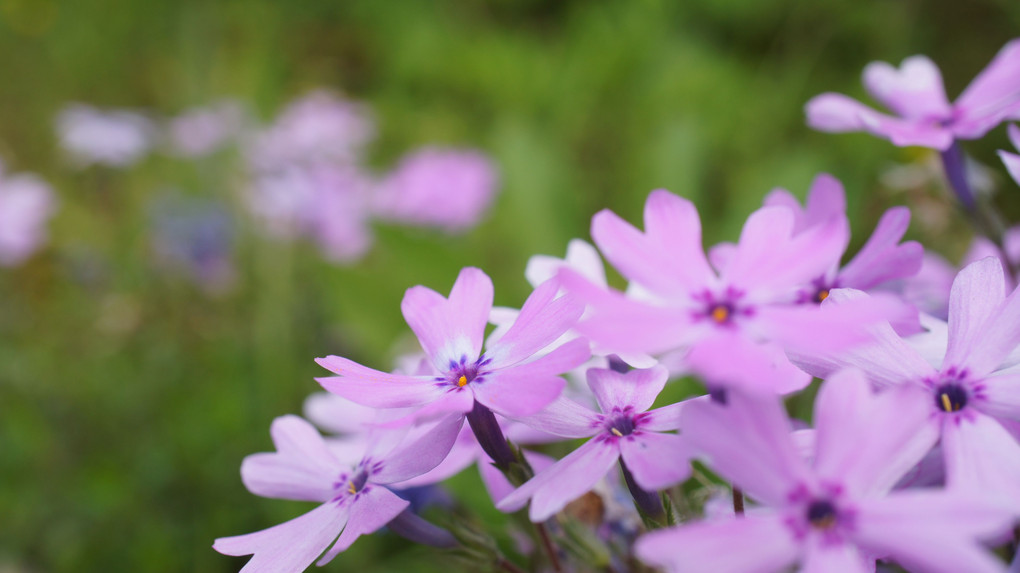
128 397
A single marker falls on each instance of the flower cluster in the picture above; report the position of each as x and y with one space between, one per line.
911 455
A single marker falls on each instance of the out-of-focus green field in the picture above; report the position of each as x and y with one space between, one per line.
128 397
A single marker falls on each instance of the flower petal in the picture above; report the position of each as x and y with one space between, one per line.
302 468
881 258
524 389
499 487
914 91
866 441
543 318
1001 396
981 456
838 113
823 557
551 490
450 329
421 455
581 256
289 546
1012 163
975 299
931 531
637 388
564 417
668 258
747 441
656 460
374 388
766 546
992 96
370 510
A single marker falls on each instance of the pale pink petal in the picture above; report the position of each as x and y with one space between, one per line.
826 199
1001 396
931 531
656 461
838 113
421 455
336 414
823 557
766 546
564 417
302 468
465 452
374 388
913 91
1012 163
884 357
981 456
747 441
637 388
581 256
668 257
452 401
373 508
992 95
543 318
1014 134
668 417
450 329
720 255
518 392
881 258
733 361
290 546
551 490
866 441
975 299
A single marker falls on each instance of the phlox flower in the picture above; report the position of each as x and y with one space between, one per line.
680 300
883 257
915 93
114 138
356 500
319 128
434 187
26 203
833 513
625 430
506 378
200 131
970 384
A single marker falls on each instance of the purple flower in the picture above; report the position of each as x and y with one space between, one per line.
506 377
882 258
355 500
196 237
201 131
915 93
625 430
26 203
834 513
318 128
1012 160
114 138
434 187
676 299
970 381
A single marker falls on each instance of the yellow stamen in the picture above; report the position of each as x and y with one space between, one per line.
350 488
825 522
616 432
946 404
462 381
822 295
720 314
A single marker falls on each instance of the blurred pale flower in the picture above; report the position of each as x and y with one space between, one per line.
194 236
26 202
434 187
115 138
318 128
200 131
1012 160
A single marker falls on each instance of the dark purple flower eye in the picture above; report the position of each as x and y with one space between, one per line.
951 398
821 514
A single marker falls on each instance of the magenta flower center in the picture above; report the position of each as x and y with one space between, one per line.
461 373
950 397
721 309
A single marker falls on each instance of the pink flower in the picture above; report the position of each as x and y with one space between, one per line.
26 203
833 513
355 500
114 138
201 131
1012 160
446 188
915 93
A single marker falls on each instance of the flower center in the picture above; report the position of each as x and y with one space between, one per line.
622 426
821 514
950 398
461 373
721 313
357 482
821 294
